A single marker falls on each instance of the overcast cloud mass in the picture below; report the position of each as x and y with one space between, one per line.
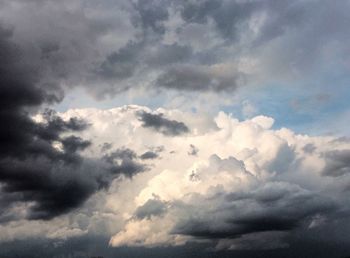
174 128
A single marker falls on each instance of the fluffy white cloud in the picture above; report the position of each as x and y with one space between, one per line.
243 158
243 184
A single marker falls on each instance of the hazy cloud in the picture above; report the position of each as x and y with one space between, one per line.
198 78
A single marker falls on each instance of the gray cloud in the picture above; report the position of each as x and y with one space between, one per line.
149 155
78 47
161 124
122 64
227 15
337 163
193 150
197 78
106 146
309 148
271 207
284 158
168 54
32 170
124 161
151 14
152 207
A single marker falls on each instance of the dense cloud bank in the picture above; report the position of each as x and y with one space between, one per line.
226 183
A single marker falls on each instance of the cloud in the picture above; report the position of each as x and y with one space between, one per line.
123 162
162 125
248 185
193 150
151 15
227 15
149 155
177 45
168 54
152 207
40 161
272 207
58 178
230 195
122 64
73 144
337 163
42 167
32 170
198 78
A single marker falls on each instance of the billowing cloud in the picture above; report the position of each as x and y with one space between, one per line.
246 188
247 185
235 191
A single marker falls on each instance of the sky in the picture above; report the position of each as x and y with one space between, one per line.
174 128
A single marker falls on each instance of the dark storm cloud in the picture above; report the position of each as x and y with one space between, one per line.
272 207
72 144
54 125
53 188
32 170
152 207
337 163
161 124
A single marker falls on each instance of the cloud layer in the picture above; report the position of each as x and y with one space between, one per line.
245 182
178 45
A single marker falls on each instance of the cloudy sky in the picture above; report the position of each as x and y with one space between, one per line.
174 128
